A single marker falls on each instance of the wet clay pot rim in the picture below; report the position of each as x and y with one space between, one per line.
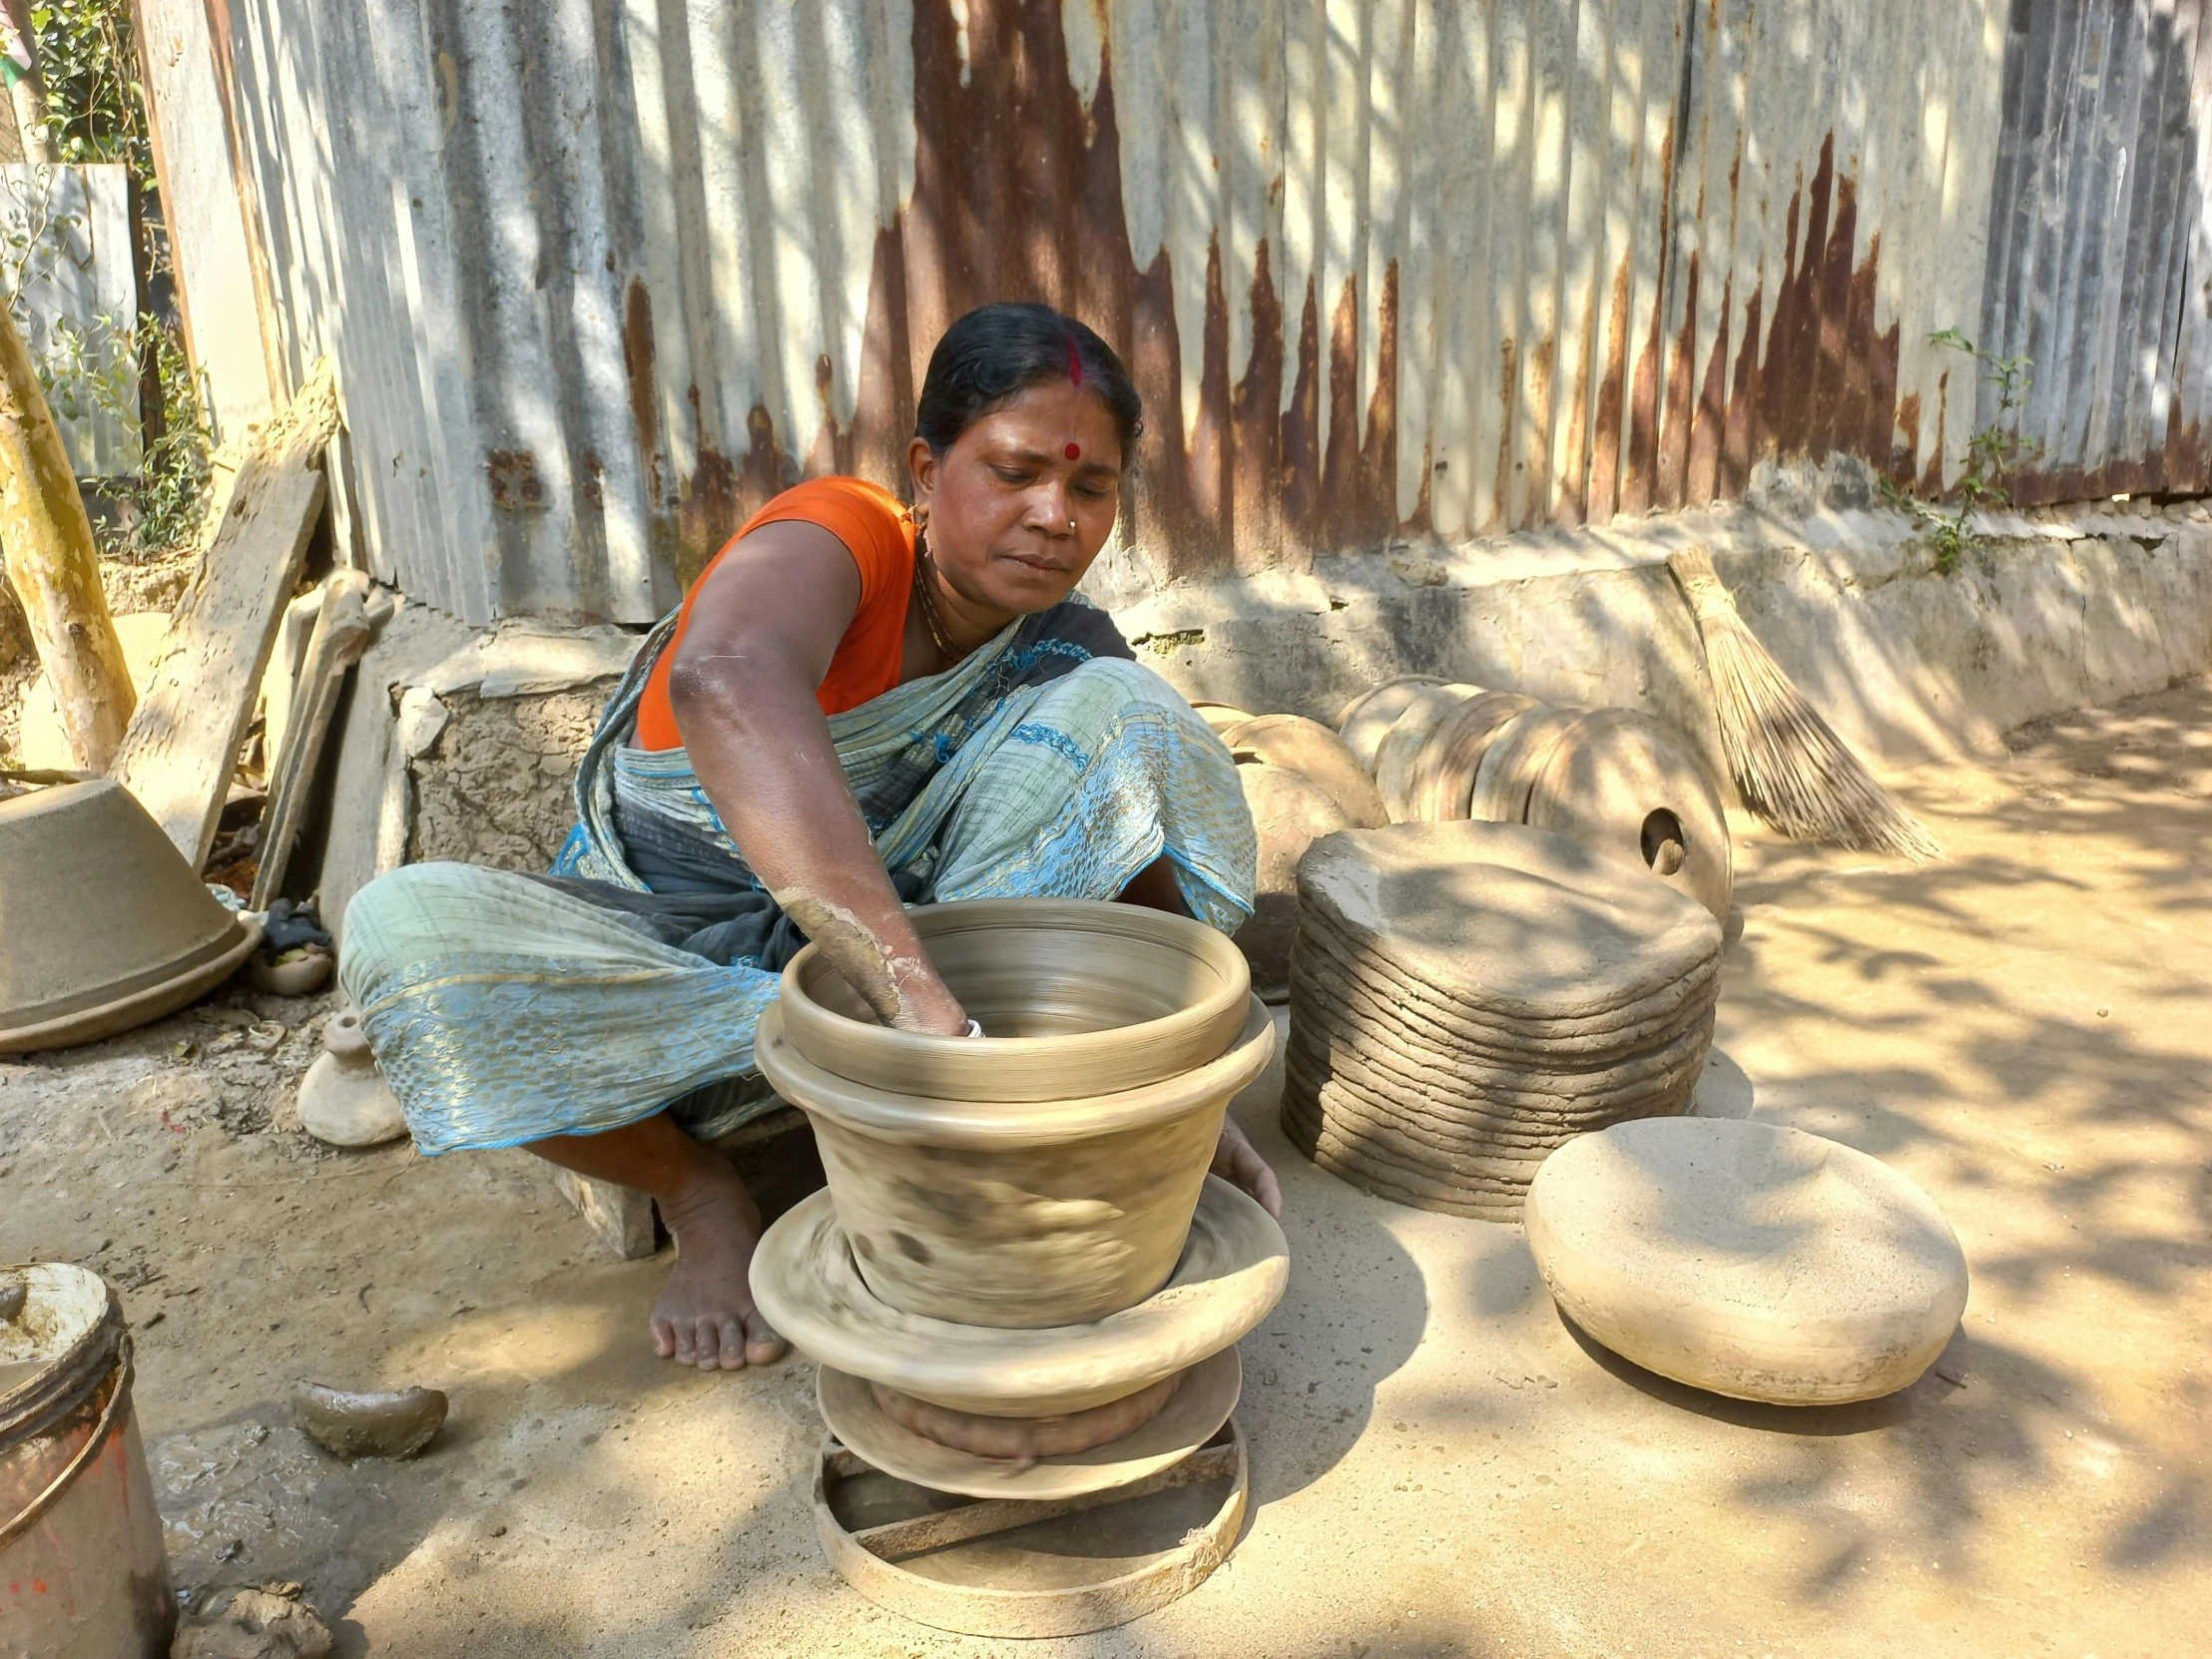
1233 1270
1042 1068
984 1123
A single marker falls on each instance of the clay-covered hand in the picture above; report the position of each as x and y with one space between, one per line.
1237 1161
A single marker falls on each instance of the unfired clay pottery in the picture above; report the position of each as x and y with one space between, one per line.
1290 811
345 1099
1401 744
1231 1273
1015 1214
302 975
1515 754
1199 1406
1366 720
1466 997
1219 714
1076 997
1307 746
1445 767
1026 1439
1748 1259
1625 786
106 925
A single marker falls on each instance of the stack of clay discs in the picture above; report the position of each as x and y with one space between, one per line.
1301 781
1464 997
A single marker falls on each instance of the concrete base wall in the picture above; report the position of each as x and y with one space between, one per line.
2050 611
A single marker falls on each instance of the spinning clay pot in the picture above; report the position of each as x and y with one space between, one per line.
1036 1179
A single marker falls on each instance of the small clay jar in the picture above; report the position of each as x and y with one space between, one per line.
345 1099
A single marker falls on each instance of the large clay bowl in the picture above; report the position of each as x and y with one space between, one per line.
1307 746
1076 997
1401 744
106 927
1628 789
1444 769
1366 720
1015 1214
1231 1271
1748 1259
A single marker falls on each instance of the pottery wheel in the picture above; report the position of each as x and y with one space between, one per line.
1232 1269
1199 1406
1622 785
1466 997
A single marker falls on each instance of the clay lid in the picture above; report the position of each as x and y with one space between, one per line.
1449 758
106 908
1077 998
1512 919
1401 744
1748 1258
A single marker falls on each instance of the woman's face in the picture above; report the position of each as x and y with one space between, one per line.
1025 499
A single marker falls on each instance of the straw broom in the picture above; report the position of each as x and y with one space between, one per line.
1790 767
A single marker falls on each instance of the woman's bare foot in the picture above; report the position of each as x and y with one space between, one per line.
704 1316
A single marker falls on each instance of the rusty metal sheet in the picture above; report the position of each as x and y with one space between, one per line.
603 276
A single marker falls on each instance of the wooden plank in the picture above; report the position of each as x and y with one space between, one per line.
182 743
896 1540
340 633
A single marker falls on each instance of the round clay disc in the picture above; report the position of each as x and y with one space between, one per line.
1198 1407
1307 746
1445 767
1518 921
1515 754
1626 787
1749 1259
1367 718
1401 746
1234 1267
1219 714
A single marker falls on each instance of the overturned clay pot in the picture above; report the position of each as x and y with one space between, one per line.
345 1099
394 1423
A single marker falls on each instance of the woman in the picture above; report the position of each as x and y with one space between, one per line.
857 706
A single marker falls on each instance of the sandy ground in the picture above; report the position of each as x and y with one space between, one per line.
1440 1466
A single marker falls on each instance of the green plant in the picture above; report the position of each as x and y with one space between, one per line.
1992 453
95 104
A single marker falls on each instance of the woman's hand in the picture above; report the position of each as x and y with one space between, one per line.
1237 1161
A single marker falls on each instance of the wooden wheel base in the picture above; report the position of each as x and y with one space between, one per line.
1009 1567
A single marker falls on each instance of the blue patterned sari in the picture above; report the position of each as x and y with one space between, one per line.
506 1008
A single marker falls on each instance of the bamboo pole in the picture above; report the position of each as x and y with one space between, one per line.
46 543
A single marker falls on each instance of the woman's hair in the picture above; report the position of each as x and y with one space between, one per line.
996 353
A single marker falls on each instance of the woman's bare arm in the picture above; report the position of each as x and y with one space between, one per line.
761 636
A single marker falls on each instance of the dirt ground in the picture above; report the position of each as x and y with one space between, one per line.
1440 1466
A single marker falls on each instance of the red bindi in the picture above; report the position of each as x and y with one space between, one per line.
1073 452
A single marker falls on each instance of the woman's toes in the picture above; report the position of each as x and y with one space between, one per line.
734 1353
663 1338
763 1347
708 1343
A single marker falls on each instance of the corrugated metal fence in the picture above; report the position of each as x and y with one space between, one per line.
603 275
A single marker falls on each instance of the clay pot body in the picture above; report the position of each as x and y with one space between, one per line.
345 1099
107 924
1077 997
1023 1194
1307 746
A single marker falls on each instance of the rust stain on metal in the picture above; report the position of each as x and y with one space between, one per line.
1376 510
1931 481
1508 364
1643 406
1211 456
1256 425
637 369
1674 437
1302 421
1605 454
1537 462
1709 424
1573 502
1340 464
516 485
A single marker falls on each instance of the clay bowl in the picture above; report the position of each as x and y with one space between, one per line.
1077 997
108 927
1015 1215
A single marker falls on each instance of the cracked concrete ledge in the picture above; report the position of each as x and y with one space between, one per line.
2053 610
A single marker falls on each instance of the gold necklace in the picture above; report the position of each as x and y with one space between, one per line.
929 615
